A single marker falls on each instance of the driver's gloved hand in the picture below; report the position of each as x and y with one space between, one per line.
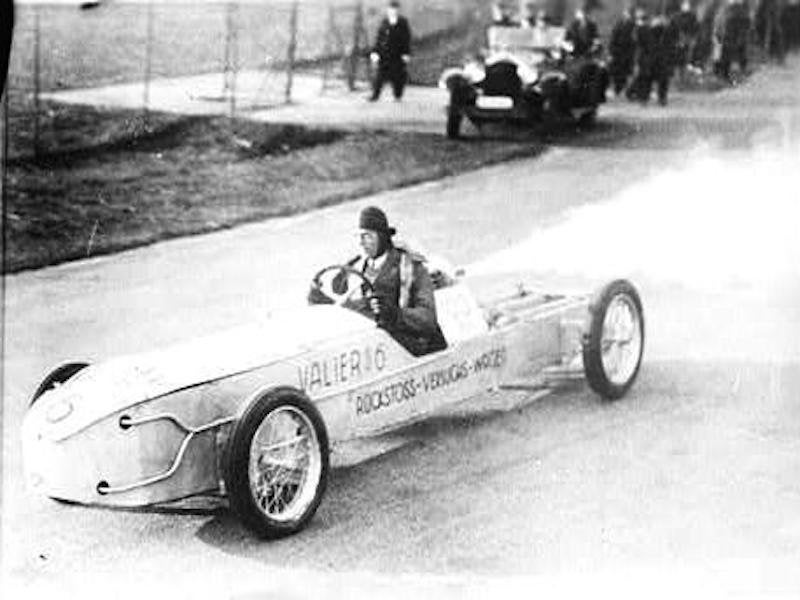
339 284
385 312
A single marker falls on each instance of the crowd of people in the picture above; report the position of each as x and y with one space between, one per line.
683 39
697 38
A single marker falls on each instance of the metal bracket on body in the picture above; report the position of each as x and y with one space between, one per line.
126 422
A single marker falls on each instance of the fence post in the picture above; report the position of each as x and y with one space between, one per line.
291 51
148 60
36 78
231 58
327 51
3 182
355 51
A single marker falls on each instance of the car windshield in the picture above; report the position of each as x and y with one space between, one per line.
524 39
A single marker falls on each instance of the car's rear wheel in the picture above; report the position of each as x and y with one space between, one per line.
613 347
454 119
277 464
57 377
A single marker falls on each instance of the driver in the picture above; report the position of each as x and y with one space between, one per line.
402 301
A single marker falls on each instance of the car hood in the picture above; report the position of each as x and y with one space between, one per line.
126 380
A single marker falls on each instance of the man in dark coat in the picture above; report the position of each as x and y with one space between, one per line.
769 17
391 53
622 47
643 58
688 28
402 300
664 40
582 34
656 45
734 36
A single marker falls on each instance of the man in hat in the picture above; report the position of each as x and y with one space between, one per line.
733 35
582 33
622 47
391 53
402 300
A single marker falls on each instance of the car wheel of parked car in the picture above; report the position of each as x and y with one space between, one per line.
613 347
454 118
588 119
277 463
59 375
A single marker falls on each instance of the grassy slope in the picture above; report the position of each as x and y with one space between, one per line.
132 182
107 45
192 177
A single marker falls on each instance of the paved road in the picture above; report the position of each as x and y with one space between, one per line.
692 483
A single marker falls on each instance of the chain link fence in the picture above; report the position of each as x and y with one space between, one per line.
239 55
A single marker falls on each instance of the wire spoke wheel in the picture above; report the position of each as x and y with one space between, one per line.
622 340
613 347
277 463
284 464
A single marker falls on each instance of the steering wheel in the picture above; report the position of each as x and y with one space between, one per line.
326 286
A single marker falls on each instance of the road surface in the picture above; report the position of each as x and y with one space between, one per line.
690 485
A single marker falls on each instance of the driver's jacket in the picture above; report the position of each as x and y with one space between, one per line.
403 281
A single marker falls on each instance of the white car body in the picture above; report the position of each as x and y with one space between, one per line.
154 427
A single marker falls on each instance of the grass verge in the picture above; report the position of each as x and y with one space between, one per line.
189 175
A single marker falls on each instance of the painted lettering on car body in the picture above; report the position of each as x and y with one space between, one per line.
399 392
340 368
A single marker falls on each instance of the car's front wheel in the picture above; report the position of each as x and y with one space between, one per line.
588 119
454 119
277 464
613 347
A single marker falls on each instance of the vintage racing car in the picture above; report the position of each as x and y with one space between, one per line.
527 76
252 412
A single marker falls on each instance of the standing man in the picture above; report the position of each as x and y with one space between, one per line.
664 46
733 37
391 53
771 13
622 47
582 34
688 27
640 87
656 44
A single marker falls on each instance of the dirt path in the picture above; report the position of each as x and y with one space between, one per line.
260 96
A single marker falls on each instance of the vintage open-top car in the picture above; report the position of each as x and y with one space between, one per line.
528 75
252 412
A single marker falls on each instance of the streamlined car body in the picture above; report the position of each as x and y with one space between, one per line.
252 412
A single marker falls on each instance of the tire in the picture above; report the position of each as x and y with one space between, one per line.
454 118
588 119
616 305
279 411
56 377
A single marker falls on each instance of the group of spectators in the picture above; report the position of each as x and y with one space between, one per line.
684 38
646 51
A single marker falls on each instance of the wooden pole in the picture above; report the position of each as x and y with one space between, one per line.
226 67
327 52
148 59
36 78
234 56
231 57
355 51
291 51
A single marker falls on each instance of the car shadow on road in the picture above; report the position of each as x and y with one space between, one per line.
384 493
647 132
